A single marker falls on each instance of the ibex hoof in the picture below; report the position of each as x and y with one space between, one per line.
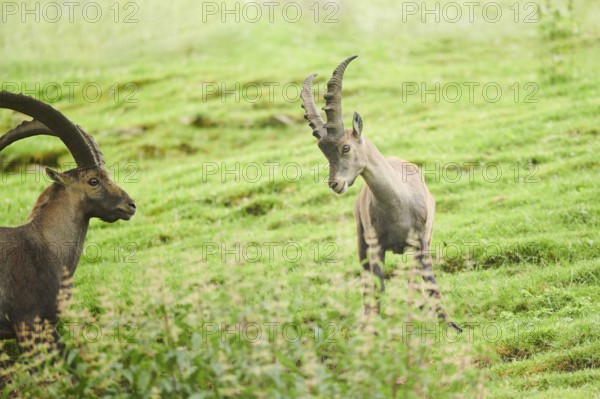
455 326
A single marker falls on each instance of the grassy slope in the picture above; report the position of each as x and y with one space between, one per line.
542 237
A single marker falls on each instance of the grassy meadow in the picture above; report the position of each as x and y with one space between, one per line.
239 277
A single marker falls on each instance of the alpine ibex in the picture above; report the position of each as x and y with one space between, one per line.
39 256
395 202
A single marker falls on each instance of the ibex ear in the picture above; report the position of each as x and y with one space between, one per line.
357 126
56 177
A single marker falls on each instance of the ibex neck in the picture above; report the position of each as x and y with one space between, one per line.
58 221
384 181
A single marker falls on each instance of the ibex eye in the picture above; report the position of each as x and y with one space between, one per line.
346 148
93 182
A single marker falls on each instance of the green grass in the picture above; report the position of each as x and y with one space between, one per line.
518 253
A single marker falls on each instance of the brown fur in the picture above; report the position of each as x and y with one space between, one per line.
38 257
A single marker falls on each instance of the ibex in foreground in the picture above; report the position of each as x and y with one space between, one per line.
395 202
39 256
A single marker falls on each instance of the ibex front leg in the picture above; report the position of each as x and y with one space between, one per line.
372 258
425 259
34 333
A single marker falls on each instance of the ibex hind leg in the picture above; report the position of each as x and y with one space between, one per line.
425 259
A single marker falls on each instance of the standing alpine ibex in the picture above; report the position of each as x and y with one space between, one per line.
395 202
39 256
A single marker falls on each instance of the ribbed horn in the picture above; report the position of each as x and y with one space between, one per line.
48 121
311 113
92 143
37 128
333 100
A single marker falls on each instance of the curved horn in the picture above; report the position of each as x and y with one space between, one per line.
311 113
51 122
37 128
333 100
92 143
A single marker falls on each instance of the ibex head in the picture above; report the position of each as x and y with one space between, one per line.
89 186
343 148
98 195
